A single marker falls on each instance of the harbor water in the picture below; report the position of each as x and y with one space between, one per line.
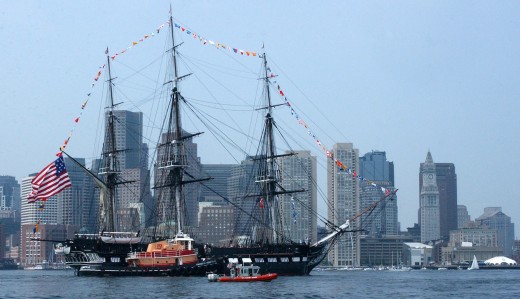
320 284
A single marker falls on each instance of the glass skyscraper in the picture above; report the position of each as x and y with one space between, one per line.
447 186
374 167
9 193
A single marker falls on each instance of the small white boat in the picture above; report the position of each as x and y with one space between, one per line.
400 269
474 264
121 238
213 277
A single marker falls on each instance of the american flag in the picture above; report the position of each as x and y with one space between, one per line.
50 181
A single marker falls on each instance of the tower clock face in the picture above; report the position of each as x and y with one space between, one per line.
430 176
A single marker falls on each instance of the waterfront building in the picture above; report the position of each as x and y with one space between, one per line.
463 255
468 242
516 251
298 172
463 218
447 186
429 201
10 201
343 203
374 167
384 251
494 218
34 252
477 236
417 254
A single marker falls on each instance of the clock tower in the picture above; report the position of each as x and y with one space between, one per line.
429 210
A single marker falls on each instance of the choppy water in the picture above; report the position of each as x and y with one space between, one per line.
325 284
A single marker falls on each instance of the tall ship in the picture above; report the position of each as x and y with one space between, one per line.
171 244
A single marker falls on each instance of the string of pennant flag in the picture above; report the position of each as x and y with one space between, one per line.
218 45
328 153
98 75
202 39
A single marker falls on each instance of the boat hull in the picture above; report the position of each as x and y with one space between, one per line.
198 269
265 277
285 260
8 264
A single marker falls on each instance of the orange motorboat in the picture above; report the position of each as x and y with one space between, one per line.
167 253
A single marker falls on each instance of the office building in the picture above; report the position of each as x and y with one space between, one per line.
132 164
447 186
463 218
34 252
43 211
375 168
343 203
10 201
468 242
164 198
242 183
216 189
215 223
9 194
387 251
494 218
298 172
76 205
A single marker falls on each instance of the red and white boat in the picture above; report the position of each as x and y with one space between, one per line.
242 273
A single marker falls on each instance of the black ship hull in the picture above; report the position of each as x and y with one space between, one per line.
93 257
108 269
285 259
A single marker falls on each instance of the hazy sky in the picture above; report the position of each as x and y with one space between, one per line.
404 77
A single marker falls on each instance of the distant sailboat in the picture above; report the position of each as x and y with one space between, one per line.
474 264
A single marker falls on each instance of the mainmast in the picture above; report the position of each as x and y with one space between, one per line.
268 178
174 158
271 165
110 164
178 146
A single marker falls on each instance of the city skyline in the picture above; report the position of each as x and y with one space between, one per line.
446 84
